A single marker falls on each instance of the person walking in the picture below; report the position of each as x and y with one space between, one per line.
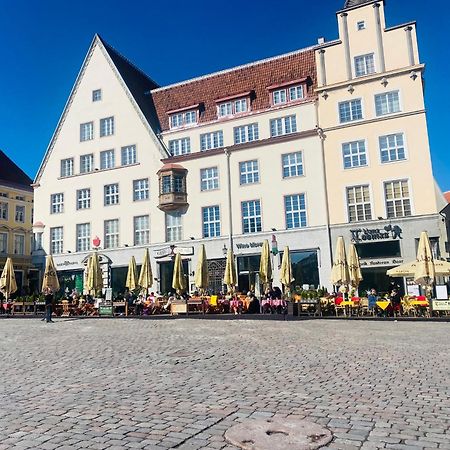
48 306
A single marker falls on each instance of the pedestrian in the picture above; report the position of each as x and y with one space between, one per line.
48 305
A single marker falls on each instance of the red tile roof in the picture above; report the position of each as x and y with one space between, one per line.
447 196
255 77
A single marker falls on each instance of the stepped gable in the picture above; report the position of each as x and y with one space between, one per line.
254 77
12 175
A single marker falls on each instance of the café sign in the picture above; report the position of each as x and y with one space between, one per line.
172 251
381 262
245 245
389 232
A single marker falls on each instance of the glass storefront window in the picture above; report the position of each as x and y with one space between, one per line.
305 267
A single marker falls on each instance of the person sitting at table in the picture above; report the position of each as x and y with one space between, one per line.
170 300
372 298
277 293
139 305
396 302
253 304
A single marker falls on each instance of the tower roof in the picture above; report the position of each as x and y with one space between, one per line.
355 3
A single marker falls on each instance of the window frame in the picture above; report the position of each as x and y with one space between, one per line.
184 122
84 137
111 195
53 203
381 94
290 165
252 217
366 66
210 136
145 232
209 179
20 213
350 156
71 166
283 119
247 174
5 209
4 242
83 200
299 211
170 227
137 189
83 163
95 96
83 239
370 202
60 241
109 236
405 149
212 224
125 151
178 143
350 101
22 244
107 126
237 131
410 197
109 152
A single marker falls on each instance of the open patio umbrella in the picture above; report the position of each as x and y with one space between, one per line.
339 273
131 280
265 265
229 277
425 272
146 276
286 276
50 281
8 283
201 272
178 280
94 279
354 267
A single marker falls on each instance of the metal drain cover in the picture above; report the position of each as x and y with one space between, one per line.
278 434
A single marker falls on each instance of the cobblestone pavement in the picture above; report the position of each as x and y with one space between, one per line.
181 383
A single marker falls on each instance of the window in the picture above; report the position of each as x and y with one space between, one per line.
364 65
179 147
86 131
279 96
361 25
292 164
232 107
83 237
211 140
209 179
111 233
140 189
20 198
181 119
354 154
248 172
56 203
225 109
211 221
246 133
295 209
107 126
392 148
96 95
111 194
240 105
20 214
67 167
296 93
387 103
56 240
283 125
251 216
107 159
141 230
3 211
4 194
3 242
19 244
83 198
129 155
166 186
86 163
398 203
358 203
173 227
349 111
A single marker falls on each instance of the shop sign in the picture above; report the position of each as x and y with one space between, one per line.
441 305
365 263
245 245
376 234
66 263
172 251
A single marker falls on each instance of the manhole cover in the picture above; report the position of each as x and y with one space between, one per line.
278 434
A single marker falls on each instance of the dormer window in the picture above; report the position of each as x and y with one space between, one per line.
236 104
183 117
291 91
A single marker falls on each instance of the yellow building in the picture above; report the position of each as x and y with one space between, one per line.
380 186
16 216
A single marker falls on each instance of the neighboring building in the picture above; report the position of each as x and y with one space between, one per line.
296 149
380 185
16 216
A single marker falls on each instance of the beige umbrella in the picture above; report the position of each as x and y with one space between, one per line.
131 281
229 277
50 281
178 280
340 273
425 272
146 276
354 267
8 283
265 265
201 273
286 276
94 281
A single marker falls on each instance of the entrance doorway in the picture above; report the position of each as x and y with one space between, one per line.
166 275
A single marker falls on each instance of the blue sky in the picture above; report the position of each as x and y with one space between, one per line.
43 43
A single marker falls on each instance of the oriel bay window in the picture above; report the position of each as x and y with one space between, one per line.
172 187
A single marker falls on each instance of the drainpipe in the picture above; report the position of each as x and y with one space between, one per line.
230 212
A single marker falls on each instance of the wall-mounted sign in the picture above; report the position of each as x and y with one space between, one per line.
66 263
172 251
365 263
441 305
245 245
376 234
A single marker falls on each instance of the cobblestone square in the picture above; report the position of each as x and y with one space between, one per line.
152 384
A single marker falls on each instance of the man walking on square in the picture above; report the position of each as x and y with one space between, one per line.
48 306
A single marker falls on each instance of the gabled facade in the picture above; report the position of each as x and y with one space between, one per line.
16 215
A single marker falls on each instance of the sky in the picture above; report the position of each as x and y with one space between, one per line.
43 44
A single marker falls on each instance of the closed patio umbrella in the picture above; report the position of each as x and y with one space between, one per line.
8 283
178 280
425 271
94 282
286 276
354 267
201 273
265 265
146 276
50 281
131 281
340 273
229 277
